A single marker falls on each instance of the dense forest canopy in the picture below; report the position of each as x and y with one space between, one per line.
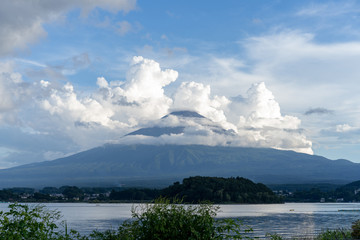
221 190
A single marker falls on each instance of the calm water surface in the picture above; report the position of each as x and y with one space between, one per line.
289 219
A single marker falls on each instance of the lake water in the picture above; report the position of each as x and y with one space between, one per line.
289 219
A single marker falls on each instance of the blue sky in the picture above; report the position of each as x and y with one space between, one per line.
281 74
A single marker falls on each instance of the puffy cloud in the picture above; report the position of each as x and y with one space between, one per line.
196 96
116 105
140 101
108 113
13 92
262 102
18 32
259 110
64 102
145 80
141 98
255 121
260 120
303 71
7 82
82 121
293 61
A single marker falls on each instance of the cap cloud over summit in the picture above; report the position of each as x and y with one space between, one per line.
254 120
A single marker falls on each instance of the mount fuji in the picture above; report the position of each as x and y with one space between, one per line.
138 160
185 121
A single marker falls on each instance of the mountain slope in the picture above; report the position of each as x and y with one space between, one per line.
160 165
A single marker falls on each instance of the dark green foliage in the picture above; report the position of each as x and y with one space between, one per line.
50 190
98 190
356 230
19 190
163 220
348 192
39 197
193 189
301 193
220 190
7 195
198 189
312 195
339 234
135 194
324 187
72 192
30 223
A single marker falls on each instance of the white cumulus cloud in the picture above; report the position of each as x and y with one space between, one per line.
260 120
197 97
254 120
81 121
13 92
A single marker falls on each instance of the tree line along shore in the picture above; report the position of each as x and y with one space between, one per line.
192 190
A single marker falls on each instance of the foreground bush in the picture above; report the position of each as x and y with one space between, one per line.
163 220
356 230
30 223
339 234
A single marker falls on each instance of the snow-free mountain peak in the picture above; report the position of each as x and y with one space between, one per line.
187 114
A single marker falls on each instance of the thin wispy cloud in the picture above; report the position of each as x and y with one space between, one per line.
318 111
330 8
